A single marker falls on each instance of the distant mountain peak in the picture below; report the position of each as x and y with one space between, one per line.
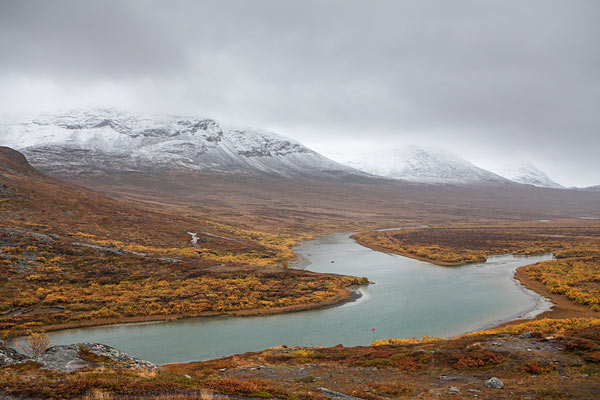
421 164
529 174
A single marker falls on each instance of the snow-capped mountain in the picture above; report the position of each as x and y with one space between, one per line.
93 142
592 188
417 164
529 174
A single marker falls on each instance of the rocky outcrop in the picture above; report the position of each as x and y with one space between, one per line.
72 357
10 356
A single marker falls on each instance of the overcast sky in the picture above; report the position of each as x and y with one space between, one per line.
493 81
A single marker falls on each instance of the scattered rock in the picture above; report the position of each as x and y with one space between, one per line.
494 383
75 356
526 335
10 356
337 395
454 389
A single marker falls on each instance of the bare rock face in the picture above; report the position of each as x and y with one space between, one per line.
72 357
10 356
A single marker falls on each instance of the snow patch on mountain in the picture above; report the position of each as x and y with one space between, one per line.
97 141
419 164
529 174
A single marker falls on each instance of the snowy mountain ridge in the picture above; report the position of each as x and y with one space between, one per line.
100 140
529 174
419 164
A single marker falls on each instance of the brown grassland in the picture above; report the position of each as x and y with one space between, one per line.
71 256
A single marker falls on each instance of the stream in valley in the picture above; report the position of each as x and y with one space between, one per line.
410 298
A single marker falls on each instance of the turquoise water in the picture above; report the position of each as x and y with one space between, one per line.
409 298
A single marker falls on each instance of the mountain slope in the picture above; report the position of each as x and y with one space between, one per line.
99 141
529 174
70 256
416 164
593 188
13 162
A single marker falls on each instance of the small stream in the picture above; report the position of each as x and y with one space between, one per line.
410 298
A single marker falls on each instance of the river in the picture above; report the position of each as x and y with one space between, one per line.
410 298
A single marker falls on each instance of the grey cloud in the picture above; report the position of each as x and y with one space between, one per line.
481 77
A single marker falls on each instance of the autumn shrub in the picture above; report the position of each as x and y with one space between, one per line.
593 356
579 345
475 359
302 353
253 388
37 343
399 341
535 368
87 355
393 389
232 386
545 326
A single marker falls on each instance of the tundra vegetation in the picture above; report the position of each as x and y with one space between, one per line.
53 284
73 257
549 359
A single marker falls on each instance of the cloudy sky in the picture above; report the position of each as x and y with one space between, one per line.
496 82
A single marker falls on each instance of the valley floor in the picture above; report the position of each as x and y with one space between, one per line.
70 256
555 356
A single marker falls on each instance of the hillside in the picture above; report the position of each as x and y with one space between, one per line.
70 256
15 163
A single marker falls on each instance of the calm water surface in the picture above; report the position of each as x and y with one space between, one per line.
409 298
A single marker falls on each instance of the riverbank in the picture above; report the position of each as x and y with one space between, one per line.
563 306
526 362
400 252
343 296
